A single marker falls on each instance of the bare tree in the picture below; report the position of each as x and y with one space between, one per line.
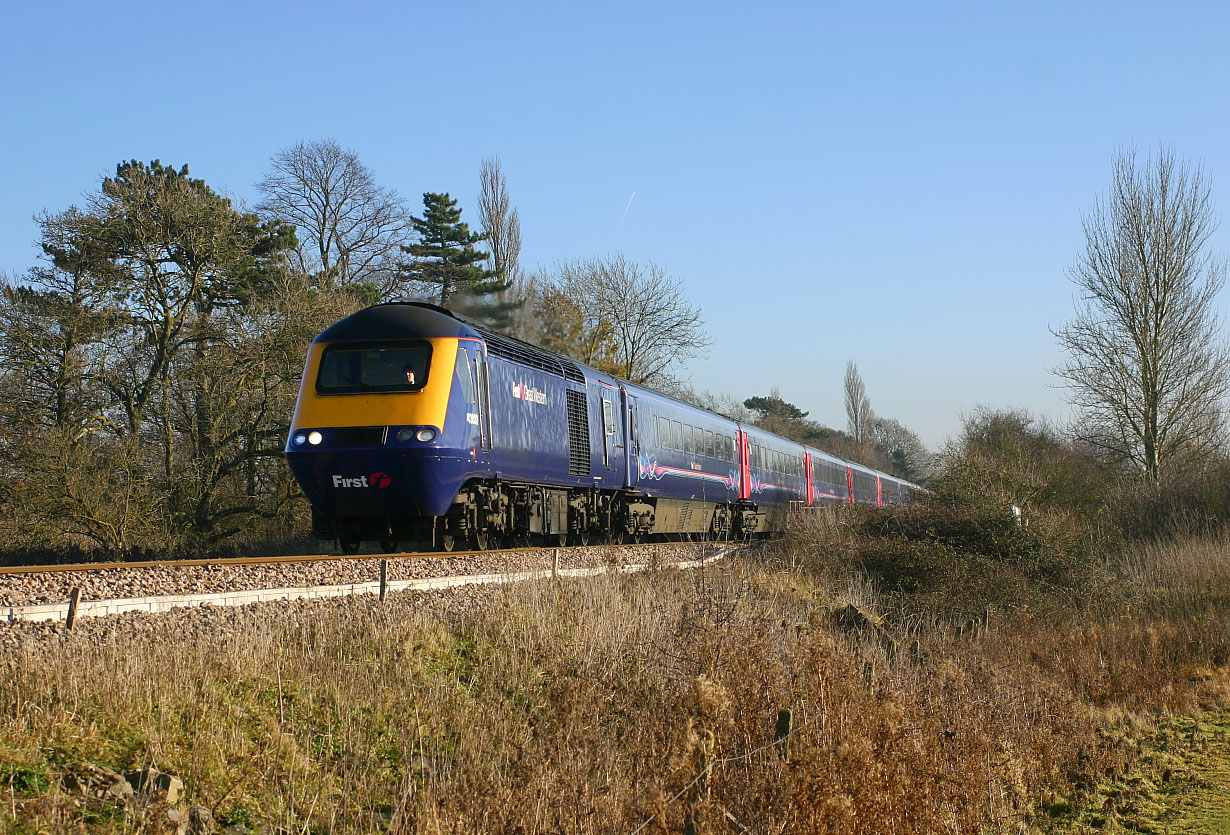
1146 364
630 319
903 447
859 418
501 225
350 229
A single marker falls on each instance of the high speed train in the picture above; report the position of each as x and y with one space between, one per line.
415 424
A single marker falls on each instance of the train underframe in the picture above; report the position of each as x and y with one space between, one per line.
491 514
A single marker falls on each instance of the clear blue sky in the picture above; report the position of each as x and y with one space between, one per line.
900 184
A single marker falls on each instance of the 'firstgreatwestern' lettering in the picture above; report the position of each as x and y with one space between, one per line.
529 394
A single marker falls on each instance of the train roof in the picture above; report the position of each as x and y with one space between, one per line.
392 320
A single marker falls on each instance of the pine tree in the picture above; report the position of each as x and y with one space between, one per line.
446 256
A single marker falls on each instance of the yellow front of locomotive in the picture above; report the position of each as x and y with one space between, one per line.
382 433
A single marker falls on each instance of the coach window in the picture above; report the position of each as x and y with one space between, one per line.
677 434
708 443
688 446
730 449
664 433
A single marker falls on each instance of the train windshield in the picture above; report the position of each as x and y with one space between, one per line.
362 368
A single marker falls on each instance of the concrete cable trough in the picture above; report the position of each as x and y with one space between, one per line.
163 603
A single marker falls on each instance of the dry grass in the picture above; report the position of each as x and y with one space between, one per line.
1182 577
607 705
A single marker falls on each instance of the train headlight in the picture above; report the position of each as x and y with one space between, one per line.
426 435
405 435
300 439
315 438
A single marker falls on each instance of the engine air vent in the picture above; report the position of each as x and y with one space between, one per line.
527 354
578 434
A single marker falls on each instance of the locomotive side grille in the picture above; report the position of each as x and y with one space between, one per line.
578 434
526 354
359 435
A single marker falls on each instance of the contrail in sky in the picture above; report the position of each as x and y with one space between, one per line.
629 206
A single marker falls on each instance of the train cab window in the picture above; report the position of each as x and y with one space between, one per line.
363 367
677 434
463 378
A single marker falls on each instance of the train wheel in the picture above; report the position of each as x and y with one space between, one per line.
581 538
441 538
388 546
615 538
349 544
481 541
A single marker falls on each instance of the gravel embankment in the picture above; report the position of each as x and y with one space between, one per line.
208 625
118 582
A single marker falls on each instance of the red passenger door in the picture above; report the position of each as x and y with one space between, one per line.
811 491
745 476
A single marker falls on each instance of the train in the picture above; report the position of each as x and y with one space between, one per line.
415 424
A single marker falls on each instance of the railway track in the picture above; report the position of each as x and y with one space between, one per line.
250 561
229 580
307 558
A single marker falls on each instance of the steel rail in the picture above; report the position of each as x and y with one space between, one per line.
61 568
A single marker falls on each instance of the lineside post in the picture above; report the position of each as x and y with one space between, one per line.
384 578
74 598
781 736
554 563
